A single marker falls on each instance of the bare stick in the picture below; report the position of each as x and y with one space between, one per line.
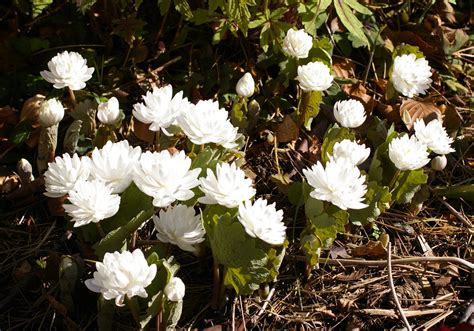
392 287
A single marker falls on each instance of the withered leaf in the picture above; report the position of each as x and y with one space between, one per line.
411 110
373 249
287 130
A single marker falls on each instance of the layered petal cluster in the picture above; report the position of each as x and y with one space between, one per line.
175 289
64 172
206 123
340 183
122 274
227 187
160 109
91 202
297 43
434 135
347 149
114 164
349 113
263 221
314 76
180 226
68 69
408 153
245 86
109 112
51 112
411 76
166 177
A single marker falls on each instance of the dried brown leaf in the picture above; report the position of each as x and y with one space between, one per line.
142 131
30 109
389 112
373 249
446 11
442 281
287 130
355 275
411 110
343 68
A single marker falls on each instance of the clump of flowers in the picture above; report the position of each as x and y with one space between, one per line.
434 136
411 76
68 69
122 275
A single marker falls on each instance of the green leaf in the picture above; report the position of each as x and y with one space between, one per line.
21 133
378 198
381 168
37 6
298 193
350 21
311 246
331 137
407 49
245 259
456 191
182 6
208 158
115 239
164 6
313 208
327 225
308 107
322 51
358 7
313 14
407 184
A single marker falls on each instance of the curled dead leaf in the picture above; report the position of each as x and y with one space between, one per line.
142 131
343 68
389 112
411 110
9 181
30 109
373 249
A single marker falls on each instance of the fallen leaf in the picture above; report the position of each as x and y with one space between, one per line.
343 68
142 131
287 130
373 249
411 110
30 109
446 11
389 112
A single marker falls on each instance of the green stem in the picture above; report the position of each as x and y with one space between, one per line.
157 140
100 229
134 309
393 180
216 288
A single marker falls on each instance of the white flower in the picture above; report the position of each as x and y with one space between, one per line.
297 43
439 163
434 136
160 108
166 177
114 163
263 221
175 289
245 86
411 76
180 226
408 153
340 183
68 69
51 112
122 274
109 112
314 76
91 202
351 151
63 173
349 113
228 187
206 123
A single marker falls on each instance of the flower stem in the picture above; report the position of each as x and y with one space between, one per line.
73 97
100 230
134 309
393 180
157 140
216 285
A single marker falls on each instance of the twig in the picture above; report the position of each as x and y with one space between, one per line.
458 215
400 261
265 304
392 287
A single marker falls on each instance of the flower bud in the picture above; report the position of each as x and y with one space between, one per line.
175 289
51 112
109 112
349 113
439 163
245 86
